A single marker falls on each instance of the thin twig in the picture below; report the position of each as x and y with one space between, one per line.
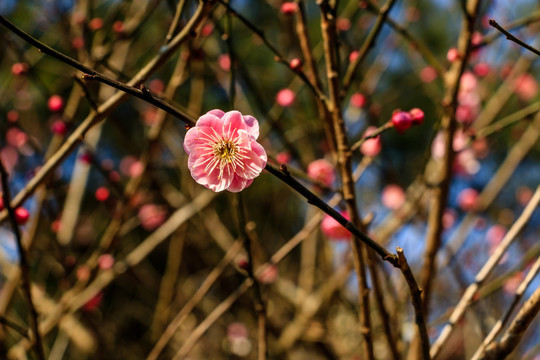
513 38
278 56
91 74
313 199
260 308
416 296
368 44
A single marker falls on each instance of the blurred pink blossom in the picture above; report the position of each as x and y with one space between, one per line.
393 196
323 171
526 87
452 54
468 199
285 97
371 147
152 216
224 61
428 74
334 230
283 157
223 150
482 69
358 100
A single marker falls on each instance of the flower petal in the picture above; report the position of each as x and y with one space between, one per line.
196 137
217 112
233 121
253 166
238 184
252 126
259 150
208 119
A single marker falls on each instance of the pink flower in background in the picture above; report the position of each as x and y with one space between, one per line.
358 100
393 197
334 230
526 87
152 216
285 97
223 151
322 171
371 147
468 199
428 74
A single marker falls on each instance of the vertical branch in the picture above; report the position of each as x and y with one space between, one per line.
448 126
344 154
419 313
259 303
23 262
228 40
312 74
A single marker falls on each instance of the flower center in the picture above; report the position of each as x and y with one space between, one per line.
225 150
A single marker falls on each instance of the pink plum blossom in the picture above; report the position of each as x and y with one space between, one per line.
452 55
152 216
393 196
285 97
526 87
428 74
468 199
223 150
323 171
334 230
358 100
371 147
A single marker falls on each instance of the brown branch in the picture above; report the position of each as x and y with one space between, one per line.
416 298
344 162
513 38
448 125
78 134
278 56
260 308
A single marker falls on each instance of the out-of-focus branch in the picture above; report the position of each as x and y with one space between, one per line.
516 330
416 296
279 58
23 262
368 44
78 134
488 267
506 317
344 165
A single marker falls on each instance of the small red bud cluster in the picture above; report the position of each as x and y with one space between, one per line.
402 120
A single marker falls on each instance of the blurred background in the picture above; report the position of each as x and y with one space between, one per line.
122 201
